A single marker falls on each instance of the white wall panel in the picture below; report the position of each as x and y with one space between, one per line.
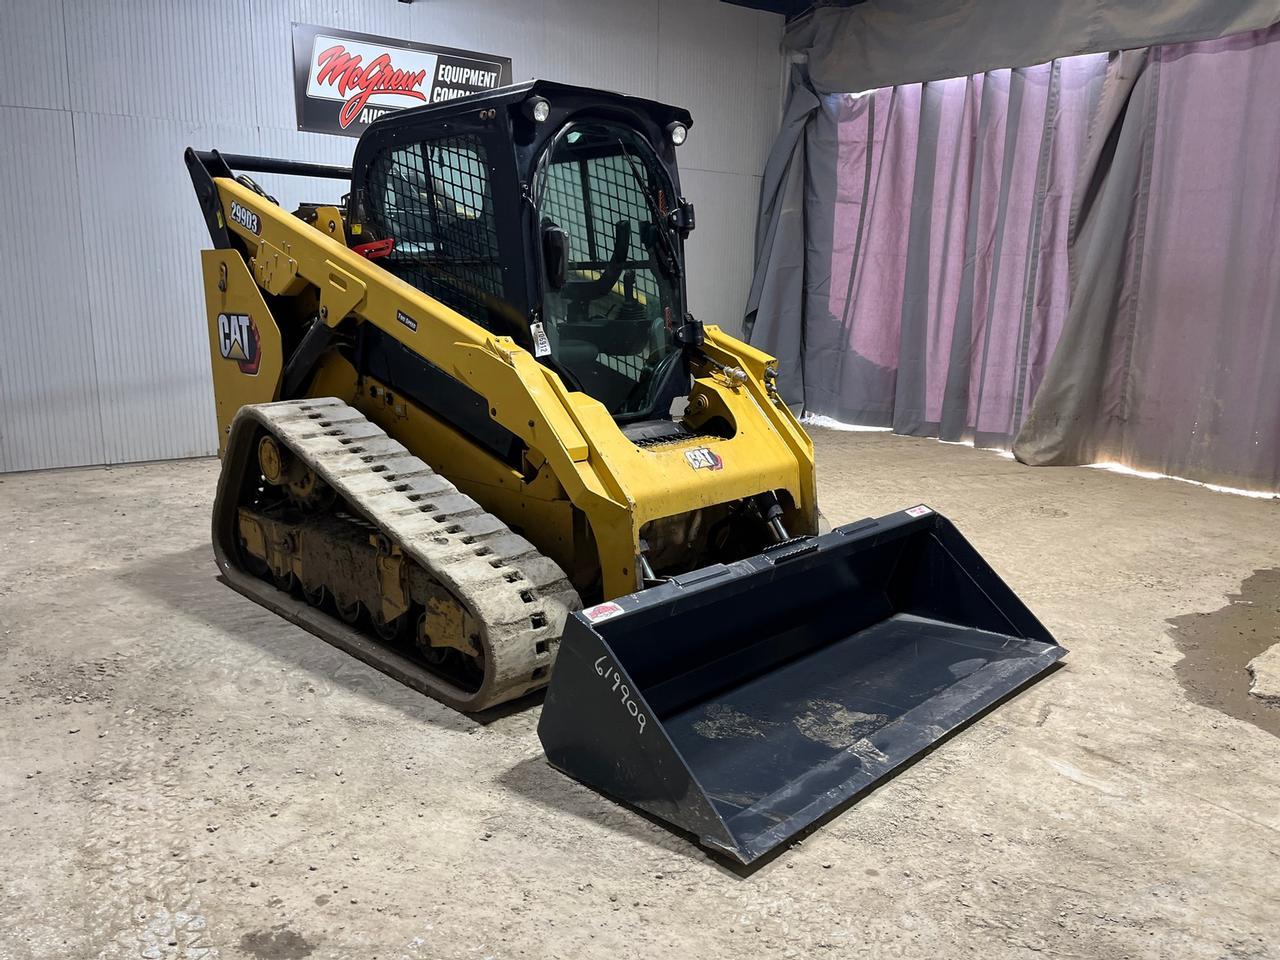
49 410
697 71
719 272
169 59
146 308
106 356
608 45
520 29
33 55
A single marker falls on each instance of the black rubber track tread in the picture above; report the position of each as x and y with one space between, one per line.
520 598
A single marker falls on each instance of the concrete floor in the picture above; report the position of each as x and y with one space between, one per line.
184 775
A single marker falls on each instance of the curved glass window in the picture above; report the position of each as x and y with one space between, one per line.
611 325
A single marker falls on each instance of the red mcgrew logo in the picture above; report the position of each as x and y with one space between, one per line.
343 71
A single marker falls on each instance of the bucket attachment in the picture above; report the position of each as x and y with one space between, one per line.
743 702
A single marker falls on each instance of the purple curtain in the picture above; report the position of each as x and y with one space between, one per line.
1078 260
936 247
1170 353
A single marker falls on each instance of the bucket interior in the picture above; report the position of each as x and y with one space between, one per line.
808 684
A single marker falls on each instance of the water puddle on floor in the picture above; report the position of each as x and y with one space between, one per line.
1218 646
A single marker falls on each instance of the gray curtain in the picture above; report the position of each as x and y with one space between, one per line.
882 43
1169 355
775 304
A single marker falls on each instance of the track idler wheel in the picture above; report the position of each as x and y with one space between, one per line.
434 655
393 630
272 460
349 612
280 469
305 487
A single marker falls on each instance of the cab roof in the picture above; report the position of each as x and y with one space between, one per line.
557 94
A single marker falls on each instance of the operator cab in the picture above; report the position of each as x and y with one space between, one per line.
551 214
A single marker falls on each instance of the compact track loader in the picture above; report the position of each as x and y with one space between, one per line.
472 434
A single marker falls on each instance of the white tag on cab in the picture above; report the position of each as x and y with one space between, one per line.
541 345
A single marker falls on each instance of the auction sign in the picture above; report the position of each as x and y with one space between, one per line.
344 81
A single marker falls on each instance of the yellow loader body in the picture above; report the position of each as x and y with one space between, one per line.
470 434
578 457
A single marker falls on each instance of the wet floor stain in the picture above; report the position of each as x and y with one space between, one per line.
1218 646
278 943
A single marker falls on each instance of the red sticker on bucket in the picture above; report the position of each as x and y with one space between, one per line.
919 511
601 611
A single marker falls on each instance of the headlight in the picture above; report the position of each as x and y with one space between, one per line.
537 109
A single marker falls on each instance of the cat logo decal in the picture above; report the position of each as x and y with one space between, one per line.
238 341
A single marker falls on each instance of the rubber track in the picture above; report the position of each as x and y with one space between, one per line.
519 597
